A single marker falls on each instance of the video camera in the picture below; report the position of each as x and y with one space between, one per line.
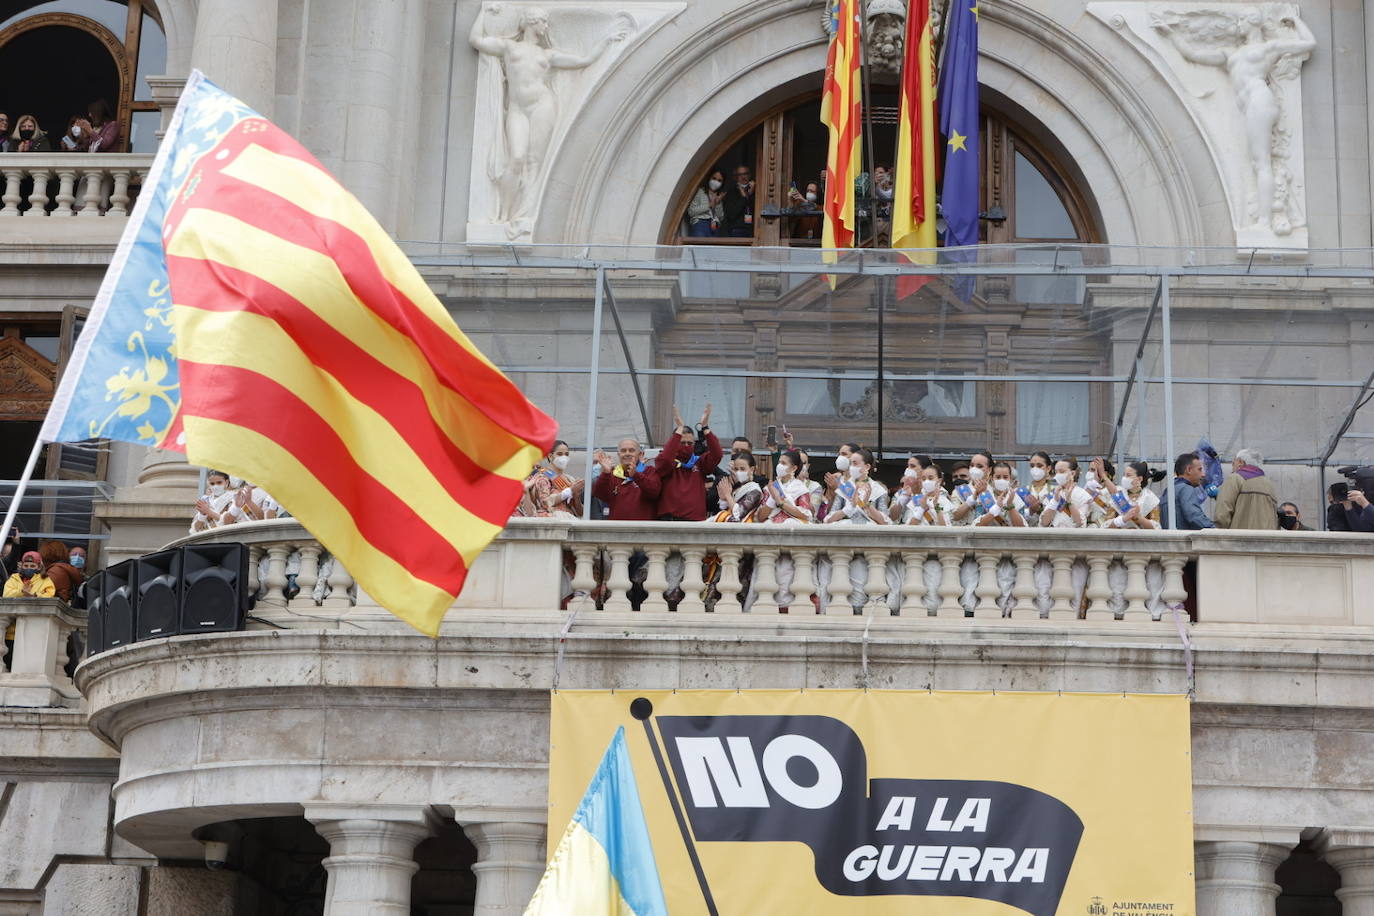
1361 477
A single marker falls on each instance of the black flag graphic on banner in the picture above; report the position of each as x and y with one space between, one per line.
804 779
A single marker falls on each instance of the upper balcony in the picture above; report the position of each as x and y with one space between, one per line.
69 198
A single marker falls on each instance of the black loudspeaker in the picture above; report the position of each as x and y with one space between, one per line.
95 614
119 598
159 593
214 587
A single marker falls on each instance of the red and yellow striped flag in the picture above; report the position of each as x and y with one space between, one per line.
842 112
316 363
913 203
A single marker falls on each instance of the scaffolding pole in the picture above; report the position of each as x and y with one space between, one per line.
629 360
1167 344
591 394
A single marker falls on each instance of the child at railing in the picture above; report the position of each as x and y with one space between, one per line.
28 581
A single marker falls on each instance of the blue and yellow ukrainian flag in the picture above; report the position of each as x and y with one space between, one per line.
604 864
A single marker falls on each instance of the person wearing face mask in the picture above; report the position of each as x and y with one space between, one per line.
57 566
739 490
969 497
557 493
27 137
6 143
1099 481
836 477
213 507
682 471
706 212
929 504
77 137
1068 504
786 499
860 500
1002 503
627 485
1040 487
739 204
28 580
1136 504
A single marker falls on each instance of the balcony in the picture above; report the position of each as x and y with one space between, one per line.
70 198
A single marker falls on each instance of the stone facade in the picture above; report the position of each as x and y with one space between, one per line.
327 724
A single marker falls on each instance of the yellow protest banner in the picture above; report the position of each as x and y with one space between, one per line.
887 802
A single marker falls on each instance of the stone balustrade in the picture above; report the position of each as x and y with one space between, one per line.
85 185
1069 576
33 673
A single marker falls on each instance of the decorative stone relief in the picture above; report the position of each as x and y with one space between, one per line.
1237 67
884 32
537 68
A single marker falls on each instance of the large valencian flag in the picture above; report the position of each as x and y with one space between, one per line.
256 316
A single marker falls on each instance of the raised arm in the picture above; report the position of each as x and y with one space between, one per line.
1214 57
563 60
1302 44
487 44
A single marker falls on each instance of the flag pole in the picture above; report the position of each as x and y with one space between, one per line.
869 160
641 708
19 491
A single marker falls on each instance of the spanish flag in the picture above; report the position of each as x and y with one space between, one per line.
842 112
913 204
604 863
288 340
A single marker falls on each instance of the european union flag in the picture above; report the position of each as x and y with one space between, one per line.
957 95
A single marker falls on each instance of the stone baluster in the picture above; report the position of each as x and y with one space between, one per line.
988 590
12 198
876 587
276 574
6 621
119 197
803 583
951 589
38 197
1174 592
656 580
1237 878
308 576
618 582
765 581
340 583
94 182
914 583
371 855
728 584
1136 591
1061 588
64 635
1355 865
66 183
1099 589
510 862
692 583
584 570
836 599
1024 590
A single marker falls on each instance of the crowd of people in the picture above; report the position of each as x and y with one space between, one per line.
50 569
96 131
692 479
724 208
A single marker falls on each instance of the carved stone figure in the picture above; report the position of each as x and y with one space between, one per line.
1255 51
886 35
530 108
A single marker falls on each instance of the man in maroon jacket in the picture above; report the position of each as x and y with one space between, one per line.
629 488
682 472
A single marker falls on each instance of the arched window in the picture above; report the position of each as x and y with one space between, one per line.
64 54
1026 194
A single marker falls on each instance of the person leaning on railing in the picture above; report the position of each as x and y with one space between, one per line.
28 580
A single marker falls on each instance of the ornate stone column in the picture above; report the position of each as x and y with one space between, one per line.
1351 853
236 46
510 861
1235 877
371 855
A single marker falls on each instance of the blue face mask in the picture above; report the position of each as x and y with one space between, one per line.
78 561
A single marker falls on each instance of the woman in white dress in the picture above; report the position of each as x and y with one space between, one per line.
786 501
1137 505
1067 506
1040 486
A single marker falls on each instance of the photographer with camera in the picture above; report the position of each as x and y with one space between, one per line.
1348 506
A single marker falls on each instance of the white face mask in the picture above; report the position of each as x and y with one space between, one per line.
1131 483
911 474
783 470
216 489
842 463
561 461
714 184
811 196
928 485
855 471
1037 474
743 476
1001 485
1090 477
76 130
1062 478
975 474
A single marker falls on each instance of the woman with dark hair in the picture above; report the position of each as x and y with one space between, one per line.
860 500
1040 486
102 126
706 211
786 499
1136 504
66 578
555 492
1067 506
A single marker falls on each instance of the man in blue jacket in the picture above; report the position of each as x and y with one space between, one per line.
1188 476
